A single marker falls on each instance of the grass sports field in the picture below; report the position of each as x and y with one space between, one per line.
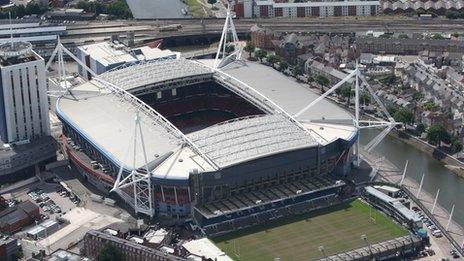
337 228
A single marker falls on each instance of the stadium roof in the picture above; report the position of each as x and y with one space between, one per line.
249 138
108 122
154 72
106 119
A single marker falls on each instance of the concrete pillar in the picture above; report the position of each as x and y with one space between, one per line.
450 218
404 172
435 201
420 186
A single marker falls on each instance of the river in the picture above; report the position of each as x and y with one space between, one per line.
437 176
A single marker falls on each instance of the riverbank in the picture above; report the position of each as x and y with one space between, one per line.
450 162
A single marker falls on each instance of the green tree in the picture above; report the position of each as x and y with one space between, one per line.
403 36
119 10
249 48
230 48
346 92
272 59
109 253
437 133
438 37
456 145
322 81
403 115
418 96
420 128
388 79
296 71
260 54
364 98
283 65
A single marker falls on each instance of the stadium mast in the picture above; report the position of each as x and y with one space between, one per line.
360 81
228 32
139 179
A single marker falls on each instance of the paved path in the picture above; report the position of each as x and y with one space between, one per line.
387 171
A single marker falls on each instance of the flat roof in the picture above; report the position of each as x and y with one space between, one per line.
289 94
108 53
205 248
108 123
33 30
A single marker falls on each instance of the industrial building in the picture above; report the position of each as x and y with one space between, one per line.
8 248
15 218
95 240
105 56
26 144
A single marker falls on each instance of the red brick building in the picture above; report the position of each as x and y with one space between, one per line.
15 218
262 37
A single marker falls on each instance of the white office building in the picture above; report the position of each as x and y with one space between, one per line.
23 94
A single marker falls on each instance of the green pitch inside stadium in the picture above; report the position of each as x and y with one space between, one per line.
337 229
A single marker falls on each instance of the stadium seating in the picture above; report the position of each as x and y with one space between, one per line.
255 207
199 106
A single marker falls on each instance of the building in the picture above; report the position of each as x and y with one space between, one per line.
431 7
24 120
209 137
95 240
262 37
24 116
316 68
105 56
205 249
8 248
290 48
43 230
15 218
292 9
394 207
409 46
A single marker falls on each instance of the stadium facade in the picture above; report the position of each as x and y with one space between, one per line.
217 144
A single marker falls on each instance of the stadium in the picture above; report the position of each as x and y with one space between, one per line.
218 146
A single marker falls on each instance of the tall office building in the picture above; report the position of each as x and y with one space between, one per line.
24 114
26 145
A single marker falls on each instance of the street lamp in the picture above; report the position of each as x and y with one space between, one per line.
322 250
364 238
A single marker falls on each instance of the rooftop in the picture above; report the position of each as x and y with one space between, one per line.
108 53
248 138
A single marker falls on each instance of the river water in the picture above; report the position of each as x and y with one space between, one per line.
436 174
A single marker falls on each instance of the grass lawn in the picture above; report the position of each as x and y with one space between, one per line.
196 9
338 229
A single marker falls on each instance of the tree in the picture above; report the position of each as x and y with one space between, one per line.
403 36
364 98
283 65
109 253
346 92
212 2
230 48
260 54
119 10
272 59
418 96
438 37
322 81
403 115
249 48
456 145
296 71
420 128
437 133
